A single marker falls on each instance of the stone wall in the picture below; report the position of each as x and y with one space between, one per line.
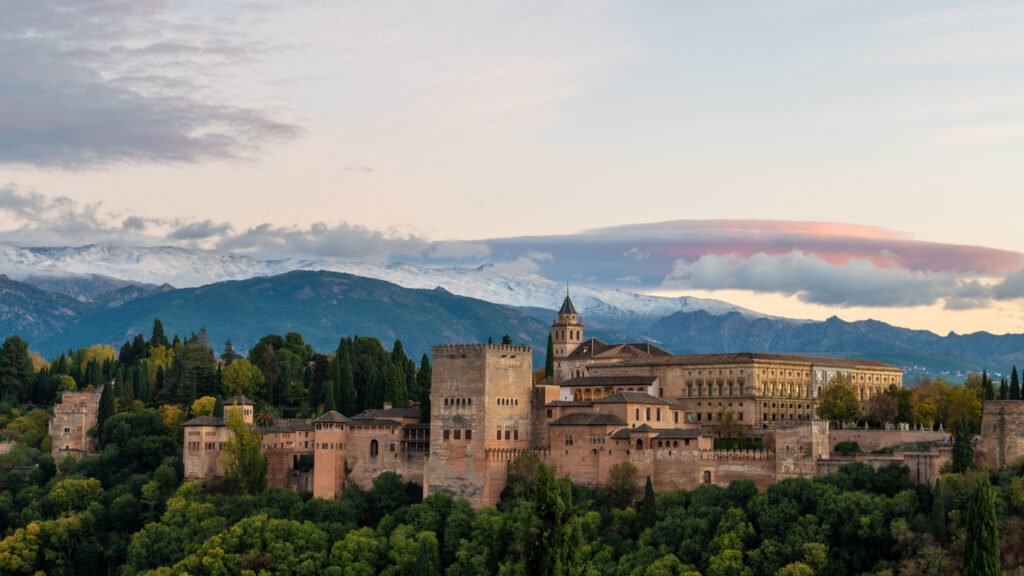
922 467
871 440
1002 432
73 417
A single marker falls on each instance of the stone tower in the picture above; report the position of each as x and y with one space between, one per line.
566 332
479 418
330 435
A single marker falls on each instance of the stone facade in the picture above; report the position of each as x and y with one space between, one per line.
1002 432
73 417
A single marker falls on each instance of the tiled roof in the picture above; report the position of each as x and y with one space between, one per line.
611 381
332 417
633 398
594 348
686 433
567 307
589 419
388 413
569 403
749 357
373 422
205 421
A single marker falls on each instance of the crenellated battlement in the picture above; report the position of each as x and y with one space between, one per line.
449 349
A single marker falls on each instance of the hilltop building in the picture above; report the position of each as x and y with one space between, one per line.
73 417
609 404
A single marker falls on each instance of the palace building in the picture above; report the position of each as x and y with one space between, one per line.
610 404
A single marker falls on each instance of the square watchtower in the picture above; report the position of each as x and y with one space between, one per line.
479 414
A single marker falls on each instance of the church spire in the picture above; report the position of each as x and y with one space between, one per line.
567 307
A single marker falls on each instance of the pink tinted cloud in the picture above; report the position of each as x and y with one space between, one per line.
835 243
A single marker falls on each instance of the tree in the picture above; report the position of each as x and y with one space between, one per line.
963 447
347 402
229 355
329 402
242 378
158 338
245 466
423 384
838 402
15 368
506 340
884 408
106 407
553 538
621 485
728 425
648 507
1014 384
1004 390
549 360
981 542
986 383
204 406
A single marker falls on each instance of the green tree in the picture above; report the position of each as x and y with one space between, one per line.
16 370
347 401
106 407
242 378
204 406
553 537
428 558
158 338
329 400
1014 384
981 541
621 484
963 447
648 506
245 466
549 359
1004 390
838 402
506 340
423 384
986 383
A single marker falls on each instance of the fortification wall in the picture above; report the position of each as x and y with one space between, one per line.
871 440
1002 432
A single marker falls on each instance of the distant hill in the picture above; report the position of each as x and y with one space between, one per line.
34 313
322 306
917 351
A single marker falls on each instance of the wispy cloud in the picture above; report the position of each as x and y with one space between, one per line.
115 81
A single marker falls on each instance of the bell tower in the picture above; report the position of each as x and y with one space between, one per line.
567 329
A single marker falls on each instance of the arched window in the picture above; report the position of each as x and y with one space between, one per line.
373 449
639 443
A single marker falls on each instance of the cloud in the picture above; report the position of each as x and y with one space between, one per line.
99 83
200 230
813 280
450 250
322 240
134 223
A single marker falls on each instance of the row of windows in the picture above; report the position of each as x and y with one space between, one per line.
739 416
458 401
333 445
509 434
657 414
573 334
508 401
207 446
457 434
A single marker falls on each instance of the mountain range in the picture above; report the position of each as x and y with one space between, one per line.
67 297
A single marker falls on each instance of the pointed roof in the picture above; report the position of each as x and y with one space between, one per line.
567 307
239 400
332 416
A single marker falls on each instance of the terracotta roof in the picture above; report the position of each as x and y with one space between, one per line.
633 398
240 400
611 381
594 348
749 357
417 426
332 417
205 421
589 419
569 403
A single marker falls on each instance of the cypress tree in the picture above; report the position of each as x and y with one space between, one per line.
549 361
1004 390
986 386
106 407
506 340
648 510
394 386
981 542
158 338
329 401
1014 384
423 384
963 447
218 408
347 402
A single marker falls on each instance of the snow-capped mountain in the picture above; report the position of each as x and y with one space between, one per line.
182 267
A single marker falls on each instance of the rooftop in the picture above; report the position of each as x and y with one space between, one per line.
594 348
589 419
751 357
239 400
598 381
205 421
632 398
332 417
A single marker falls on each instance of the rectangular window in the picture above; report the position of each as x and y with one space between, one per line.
508 434
637 413
515 434
698 417
458 434
647 413
446 434
549 413
657 413
499 434
391 447
469 434
675 416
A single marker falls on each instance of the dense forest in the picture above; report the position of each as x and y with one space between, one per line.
126 510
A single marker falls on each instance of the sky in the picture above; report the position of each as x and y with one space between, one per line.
805 158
